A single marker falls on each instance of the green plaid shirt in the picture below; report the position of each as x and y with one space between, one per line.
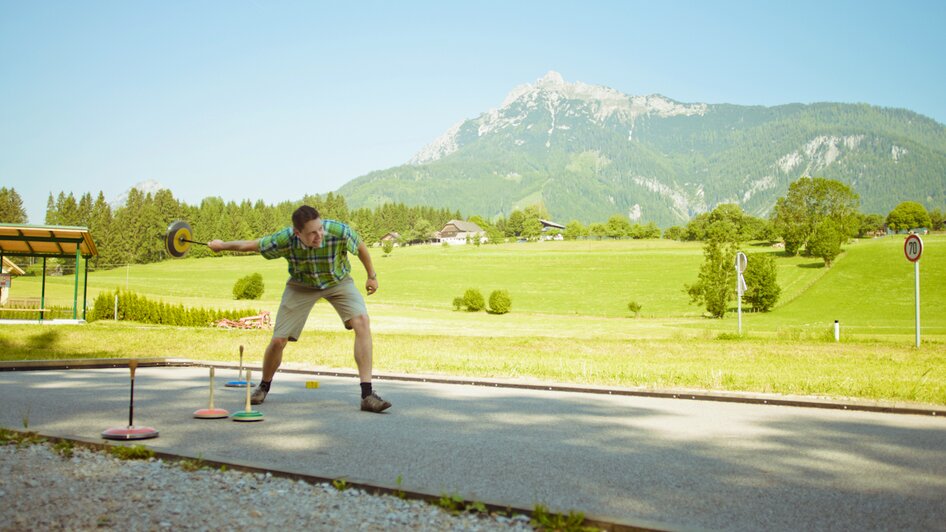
319 267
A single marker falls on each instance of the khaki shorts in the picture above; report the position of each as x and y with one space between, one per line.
297 302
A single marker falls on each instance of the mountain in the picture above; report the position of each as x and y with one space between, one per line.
149 186
587 152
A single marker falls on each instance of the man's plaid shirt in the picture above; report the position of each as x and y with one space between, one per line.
320 267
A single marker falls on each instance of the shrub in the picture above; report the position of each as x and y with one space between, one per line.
499 302
634 307
675 233
473 300
457 303
249 287
387 246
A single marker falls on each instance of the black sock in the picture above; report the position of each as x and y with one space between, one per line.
365 389
264 385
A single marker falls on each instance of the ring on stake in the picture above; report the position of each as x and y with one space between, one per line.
248 414
211 412
239 383
131 432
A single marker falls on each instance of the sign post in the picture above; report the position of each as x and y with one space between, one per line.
913 249
741 262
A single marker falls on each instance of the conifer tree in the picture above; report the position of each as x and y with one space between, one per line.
84 212
11 207
51 216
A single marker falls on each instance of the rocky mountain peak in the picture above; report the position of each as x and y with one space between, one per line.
149 186
552 83
551 94
551 78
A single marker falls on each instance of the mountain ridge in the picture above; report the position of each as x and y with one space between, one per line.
588 151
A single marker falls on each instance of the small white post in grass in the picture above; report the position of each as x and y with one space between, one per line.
837 331
741 262
916 296
913 249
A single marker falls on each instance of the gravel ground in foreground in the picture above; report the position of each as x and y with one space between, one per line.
93 490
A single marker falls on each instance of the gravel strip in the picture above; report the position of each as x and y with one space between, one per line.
93 490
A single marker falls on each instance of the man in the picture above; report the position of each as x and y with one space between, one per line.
317 251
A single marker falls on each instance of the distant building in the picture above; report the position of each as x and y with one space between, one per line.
458 232
7 271
392 236
552 230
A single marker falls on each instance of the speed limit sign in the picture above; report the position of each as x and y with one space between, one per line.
913 248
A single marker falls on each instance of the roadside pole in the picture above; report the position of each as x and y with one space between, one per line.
913 249
741 262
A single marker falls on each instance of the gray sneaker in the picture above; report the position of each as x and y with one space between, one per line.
258 395
373 403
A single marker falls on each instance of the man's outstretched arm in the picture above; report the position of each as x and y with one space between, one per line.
234 245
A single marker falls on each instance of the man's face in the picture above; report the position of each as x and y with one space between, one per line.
311 235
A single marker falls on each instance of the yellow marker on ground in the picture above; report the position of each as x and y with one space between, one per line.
311 384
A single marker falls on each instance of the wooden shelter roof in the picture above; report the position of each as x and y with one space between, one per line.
46 241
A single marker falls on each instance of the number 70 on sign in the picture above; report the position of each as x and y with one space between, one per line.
913 248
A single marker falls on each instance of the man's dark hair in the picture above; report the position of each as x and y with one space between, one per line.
304 215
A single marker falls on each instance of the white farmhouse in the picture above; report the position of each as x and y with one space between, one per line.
458 232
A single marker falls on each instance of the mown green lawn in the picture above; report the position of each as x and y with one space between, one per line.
876 370
870 291
595 278
569 320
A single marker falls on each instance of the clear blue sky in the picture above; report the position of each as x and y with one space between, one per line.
258 99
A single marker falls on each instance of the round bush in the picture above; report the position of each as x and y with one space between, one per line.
249 287
473 300
499 302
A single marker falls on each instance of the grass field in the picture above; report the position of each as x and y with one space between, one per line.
569 320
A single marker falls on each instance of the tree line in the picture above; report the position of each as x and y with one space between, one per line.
135 232
815 217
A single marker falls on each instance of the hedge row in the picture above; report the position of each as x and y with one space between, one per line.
133 307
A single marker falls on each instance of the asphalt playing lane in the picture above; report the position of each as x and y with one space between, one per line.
676 463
